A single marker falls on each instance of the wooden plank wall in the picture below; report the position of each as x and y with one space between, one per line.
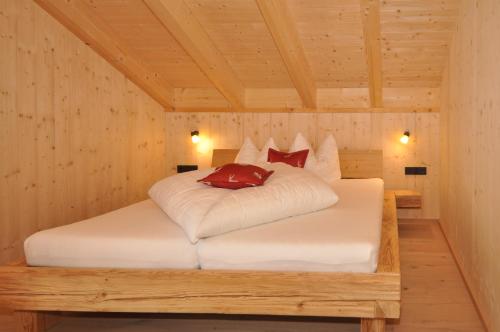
352 130
471 153
76 137
410 99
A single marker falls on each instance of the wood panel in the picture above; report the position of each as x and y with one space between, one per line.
365 131
415 39
470 144
222 157
177 17
29 322
331 33
372 325
76 137
395 99
388 257
367 295
75 17
238 30
411 97
408 199
310 110
225 44
360 164
194 97
136 26
282 28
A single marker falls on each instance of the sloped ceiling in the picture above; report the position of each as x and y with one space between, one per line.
284 53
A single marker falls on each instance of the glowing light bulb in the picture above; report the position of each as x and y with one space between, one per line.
405 138
195 137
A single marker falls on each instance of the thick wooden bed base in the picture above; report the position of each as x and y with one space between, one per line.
373 297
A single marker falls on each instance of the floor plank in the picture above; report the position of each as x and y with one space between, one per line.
435 299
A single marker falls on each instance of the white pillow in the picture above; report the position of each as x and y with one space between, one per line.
325 162
250 154
301 143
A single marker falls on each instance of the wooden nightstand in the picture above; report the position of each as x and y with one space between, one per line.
408 199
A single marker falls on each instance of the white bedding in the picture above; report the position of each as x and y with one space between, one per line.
137 236
203 211
344 237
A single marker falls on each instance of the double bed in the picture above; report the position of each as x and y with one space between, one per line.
342 261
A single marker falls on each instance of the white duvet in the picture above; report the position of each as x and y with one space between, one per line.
203 211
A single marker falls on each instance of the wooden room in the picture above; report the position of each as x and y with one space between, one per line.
249 165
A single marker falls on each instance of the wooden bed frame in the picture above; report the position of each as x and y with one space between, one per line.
373 297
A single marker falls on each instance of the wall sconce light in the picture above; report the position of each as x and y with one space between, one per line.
195 136
405 138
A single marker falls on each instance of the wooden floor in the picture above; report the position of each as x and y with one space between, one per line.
435 298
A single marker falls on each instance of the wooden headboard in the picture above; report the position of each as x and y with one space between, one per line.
354 164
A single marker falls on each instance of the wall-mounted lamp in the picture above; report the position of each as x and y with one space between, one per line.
405 138
195 136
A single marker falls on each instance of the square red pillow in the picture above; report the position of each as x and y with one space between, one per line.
295 159
237 176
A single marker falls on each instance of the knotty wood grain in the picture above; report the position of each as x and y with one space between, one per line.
372 325
281 26
370 15
75 17
361 164
201 291
226 45
29 321
179 20
470 146
408 199
388 259
77 138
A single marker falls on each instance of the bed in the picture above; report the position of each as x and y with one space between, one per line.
303 283
136 236
343 237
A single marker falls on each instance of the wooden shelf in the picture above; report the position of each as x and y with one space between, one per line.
408 199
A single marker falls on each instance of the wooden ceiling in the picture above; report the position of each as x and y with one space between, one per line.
283 54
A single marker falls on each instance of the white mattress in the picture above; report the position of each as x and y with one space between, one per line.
137 236
344 237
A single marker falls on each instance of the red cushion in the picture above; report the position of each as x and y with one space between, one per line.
295 159
236 176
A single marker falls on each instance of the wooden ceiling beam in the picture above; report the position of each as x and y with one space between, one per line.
75 18
279 22
370 15
179 20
